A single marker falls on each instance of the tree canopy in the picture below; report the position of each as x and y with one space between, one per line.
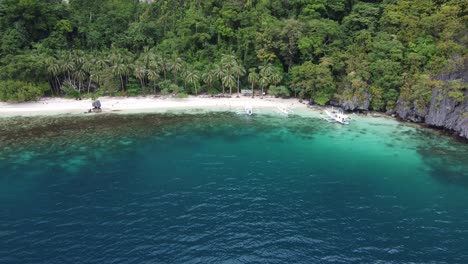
316 49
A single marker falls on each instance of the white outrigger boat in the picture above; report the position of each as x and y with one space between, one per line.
248 110
337 116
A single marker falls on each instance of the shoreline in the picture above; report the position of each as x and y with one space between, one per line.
122 105
58 106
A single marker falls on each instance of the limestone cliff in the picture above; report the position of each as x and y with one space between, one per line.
355 103
448 107
448 113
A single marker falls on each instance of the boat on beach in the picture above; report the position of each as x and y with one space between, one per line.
335 115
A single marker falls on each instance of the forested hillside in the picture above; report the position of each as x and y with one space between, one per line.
357 54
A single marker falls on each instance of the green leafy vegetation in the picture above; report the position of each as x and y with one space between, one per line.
19 91
279 91
314 49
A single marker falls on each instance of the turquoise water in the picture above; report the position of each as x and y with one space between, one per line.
222 188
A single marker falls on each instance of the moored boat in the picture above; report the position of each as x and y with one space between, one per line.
248 110
337 116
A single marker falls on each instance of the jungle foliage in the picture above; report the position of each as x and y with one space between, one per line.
322 50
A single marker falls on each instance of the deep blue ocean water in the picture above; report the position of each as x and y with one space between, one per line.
222 188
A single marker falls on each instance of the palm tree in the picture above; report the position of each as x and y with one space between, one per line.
142 63
264 81
208 77
88 67
192 77
98 69
118 68
79 75
153 76
266 71
228 62
163 63
140 73
53 69
77 57
253 78
120 65
101 62
154 68
146 57
69 67
94 75
219 73
239 71
229 81
176 66
276 78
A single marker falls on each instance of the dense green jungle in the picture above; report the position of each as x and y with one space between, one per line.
364 55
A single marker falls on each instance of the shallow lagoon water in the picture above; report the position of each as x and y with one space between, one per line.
222 188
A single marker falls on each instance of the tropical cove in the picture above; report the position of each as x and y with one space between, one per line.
233 131
220 186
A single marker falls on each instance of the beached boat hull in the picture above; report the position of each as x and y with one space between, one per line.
337 117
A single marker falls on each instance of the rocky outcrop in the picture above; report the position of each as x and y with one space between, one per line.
411 110
443 112
355 103
96 104
448 107
447 110
448 113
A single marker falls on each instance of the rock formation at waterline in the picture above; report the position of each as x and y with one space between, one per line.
448 113
411 110
448 106
356 103
445 107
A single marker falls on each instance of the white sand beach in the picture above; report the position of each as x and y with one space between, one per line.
60 106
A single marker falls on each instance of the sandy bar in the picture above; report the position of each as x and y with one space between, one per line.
122 105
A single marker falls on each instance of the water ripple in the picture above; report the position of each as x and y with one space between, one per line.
197 190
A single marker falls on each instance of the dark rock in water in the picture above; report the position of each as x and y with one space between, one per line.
97 104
